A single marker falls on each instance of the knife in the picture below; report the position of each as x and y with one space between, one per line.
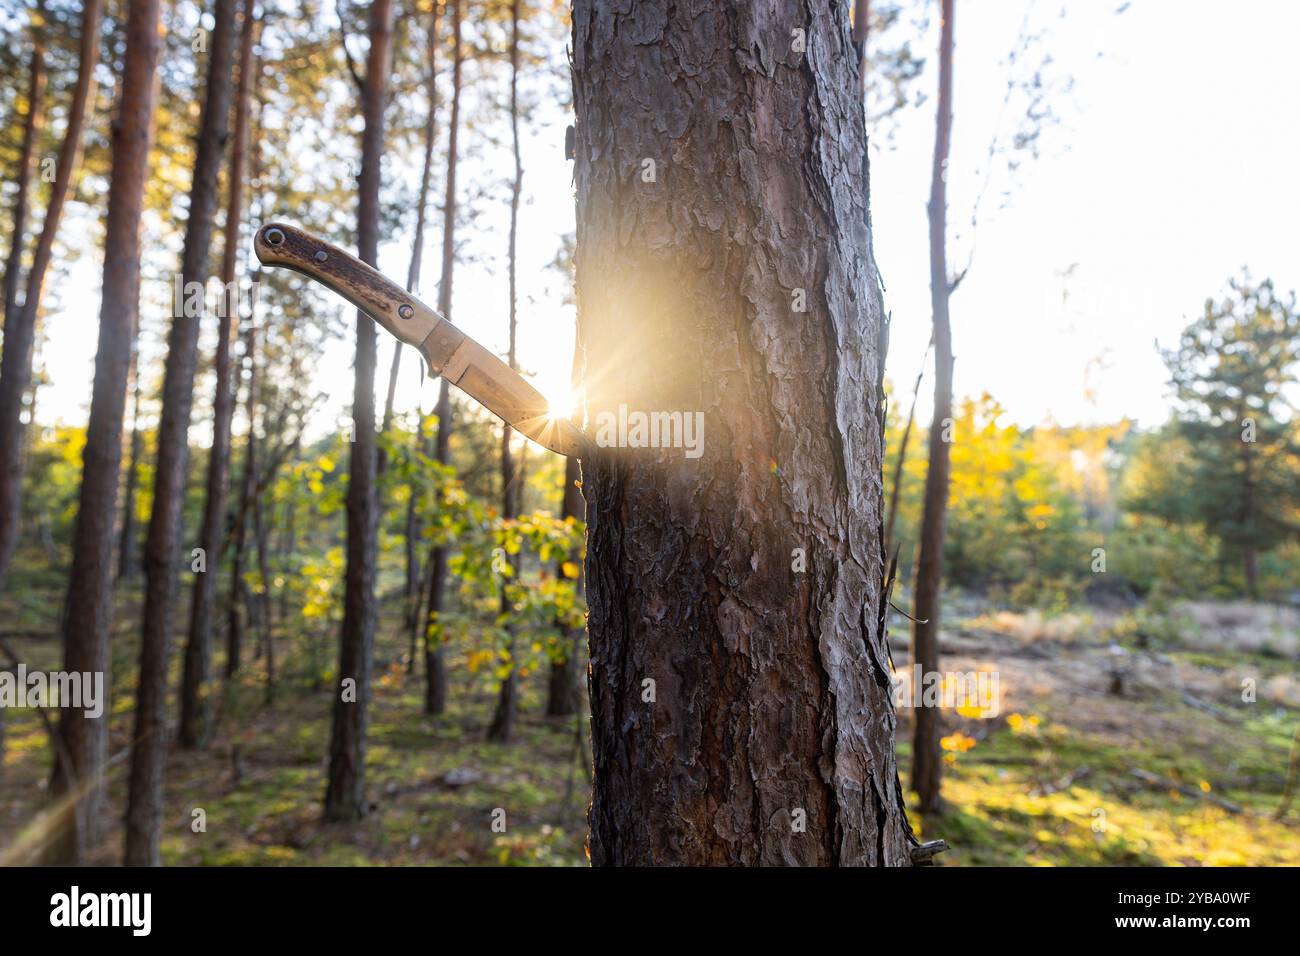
448 351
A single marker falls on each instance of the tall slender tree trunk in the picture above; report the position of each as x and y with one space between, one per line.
235 619
345 792
238 540
90 582
562 688
927 762
33 122
861 32
1249 554
896 486
126 556
741 709
195 711
20 322
264 622
288 545
421 210
503 719
435 687
411 588
163 544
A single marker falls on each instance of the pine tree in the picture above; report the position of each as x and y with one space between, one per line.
1230 372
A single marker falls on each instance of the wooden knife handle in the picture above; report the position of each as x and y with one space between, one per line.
402 314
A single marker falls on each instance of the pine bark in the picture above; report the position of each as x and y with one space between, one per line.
90 585
20 322
767 735
435 687
345 790
163 543
195 710
927 760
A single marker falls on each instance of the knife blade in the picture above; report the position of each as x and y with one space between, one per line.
448 351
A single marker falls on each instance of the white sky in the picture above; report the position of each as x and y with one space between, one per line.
1175 165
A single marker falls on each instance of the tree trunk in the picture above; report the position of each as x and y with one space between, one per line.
288 544
247 489
1249 555
20 323
927 761
435 670
126 557
345 790
264 596
163 544
896 486
248 476
741 709
411 588
32 125
90 583
435 691
562 689
195 710
503 720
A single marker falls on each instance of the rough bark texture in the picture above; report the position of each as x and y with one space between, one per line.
435 691
927 761
20 322
346 787
198 647
503 719
770 737
90 584
164 549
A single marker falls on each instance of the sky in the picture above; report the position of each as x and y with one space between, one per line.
1173 167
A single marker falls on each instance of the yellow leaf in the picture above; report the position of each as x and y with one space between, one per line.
570 569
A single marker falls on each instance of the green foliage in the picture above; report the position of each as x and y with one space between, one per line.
1232 433
1026 507
1174 509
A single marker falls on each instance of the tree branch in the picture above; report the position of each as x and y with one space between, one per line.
347 54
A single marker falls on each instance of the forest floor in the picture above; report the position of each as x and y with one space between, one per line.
1118 740
1121 738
